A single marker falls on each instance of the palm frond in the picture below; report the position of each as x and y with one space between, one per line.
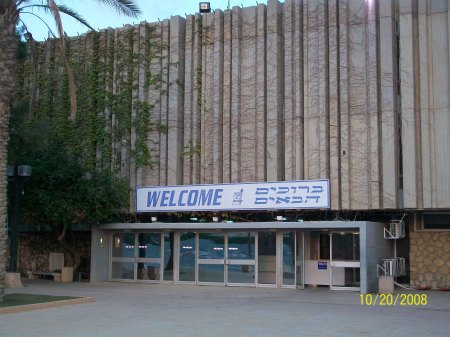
43 21
31 43
63 9
70 12
125 7
72 88
19 2
45 8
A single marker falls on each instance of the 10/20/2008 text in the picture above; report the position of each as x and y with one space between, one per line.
392 300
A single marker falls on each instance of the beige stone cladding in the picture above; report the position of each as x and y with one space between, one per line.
430 259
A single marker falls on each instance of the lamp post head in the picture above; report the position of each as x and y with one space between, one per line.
24 171
204 7
10 171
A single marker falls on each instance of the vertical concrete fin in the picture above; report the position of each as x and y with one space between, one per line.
389 138
176 101
275 88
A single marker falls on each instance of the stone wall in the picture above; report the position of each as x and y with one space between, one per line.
34 248
430 259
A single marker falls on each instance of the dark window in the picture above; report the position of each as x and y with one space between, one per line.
436 221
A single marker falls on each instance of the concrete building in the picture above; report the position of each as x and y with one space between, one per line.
355 92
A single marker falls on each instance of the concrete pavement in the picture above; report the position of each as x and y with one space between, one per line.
130 309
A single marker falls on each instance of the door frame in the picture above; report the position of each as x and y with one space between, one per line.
343 264
246 262
300 264
200 261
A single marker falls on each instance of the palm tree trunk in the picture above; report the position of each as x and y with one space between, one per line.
8 60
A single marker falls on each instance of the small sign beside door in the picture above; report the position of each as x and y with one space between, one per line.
321 265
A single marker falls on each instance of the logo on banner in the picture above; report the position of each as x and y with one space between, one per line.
237 197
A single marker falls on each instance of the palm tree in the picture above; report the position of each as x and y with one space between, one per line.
11 14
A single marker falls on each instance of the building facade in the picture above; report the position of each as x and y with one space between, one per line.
356 92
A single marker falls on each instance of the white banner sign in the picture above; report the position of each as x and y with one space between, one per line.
304 194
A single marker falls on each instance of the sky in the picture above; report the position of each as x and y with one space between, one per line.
101 16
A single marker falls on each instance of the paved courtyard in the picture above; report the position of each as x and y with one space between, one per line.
129 309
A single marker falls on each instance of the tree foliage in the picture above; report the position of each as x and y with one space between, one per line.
61 193
11 14
26 136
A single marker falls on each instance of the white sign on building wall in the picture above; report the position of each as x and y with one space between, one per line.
303 194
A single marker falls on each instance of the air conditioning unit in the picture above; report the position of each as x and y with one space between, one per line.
392 267
395 230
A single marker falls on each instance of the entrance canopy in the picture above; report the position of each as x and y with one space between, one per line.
119 247
236 225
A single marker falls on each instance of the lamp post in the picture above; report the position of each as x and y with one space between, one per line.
204 7
16 174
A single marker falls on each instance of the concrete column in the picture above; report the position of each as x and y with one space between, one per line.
359 132
109 83
190 97
142 93
208 137
426 129
236 73
196 100
260 93
334 111
248 118
344 104
137 73
275 88
227 98
293 95
408 104
154 99
373 146
388 105
439 38
164 98
217 98
189 75
315 85
100 256
176 101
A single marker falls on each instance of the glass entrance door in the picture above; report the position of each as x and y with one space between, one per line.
149 256
240 259
344 261
169 242
145 256
267 258
123 258
188 253
289 256
211 258
293 260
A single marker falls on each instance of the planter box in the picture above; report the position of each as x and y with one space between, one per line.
67 274
386 284
12 280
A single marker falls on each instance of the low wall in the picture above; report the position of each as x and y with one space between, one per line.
34 248
430 259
